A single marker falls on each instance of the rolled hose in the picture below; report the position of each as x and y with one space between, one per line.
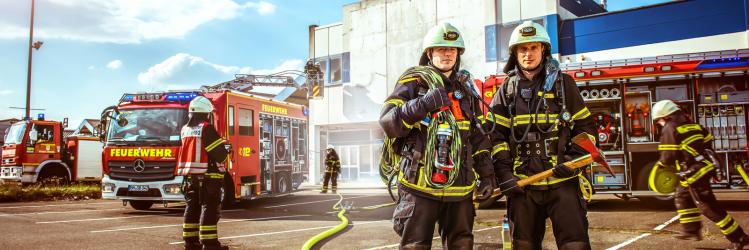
327 233
594 94
614 92
585 94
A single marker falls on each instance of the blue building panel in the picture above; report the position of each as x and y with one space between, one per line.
653 24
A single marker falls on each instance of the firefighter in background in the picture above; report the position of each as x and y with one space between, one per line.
685 146
201 159
332 169
423 202
538 110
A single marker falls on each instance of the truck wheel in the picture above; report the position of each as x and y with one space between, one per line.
283 183
54 177
642 184
141 205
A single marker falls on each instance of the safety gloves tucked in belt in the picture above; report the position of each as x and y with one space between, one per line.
486 187
510 188
562 171
416 109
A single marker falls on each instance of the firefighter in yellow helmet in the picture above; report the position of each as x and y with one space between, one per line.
538 110
441 155
687 148
201 158
332 169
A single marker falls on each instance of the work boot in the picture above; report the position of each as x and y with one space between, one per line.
741 243
688 236
215 247
193 246
324 191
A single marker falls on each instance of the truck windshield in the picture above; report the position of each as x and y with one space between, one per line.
15 134
148 126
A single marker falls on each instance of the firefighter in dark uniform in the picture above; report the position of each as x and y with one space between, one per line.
686 146
201 159
428 197
538 110
332 169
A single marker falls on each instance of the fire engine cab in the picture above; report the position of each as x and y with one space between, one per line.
35 151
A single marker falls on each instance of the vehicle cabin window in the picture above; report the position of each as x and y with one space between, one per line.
246 126
230 120
45 133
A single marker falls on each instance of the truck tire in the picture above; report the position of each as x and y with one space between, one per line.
283 183
141 205
54 175
642 184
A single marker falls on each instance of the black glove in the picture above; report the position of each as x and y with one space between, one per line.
486 187
562 171
416 109
510 188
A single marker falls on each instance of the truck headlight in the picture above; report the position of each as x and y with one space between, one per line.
172 189
107 187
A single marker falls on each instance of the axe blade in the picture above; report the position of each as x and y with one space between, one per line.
585 141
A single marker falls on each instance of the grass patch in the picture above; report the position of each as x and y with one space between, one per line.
80 191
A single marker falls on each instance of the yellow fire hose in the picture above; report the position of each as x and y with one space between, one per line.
344 223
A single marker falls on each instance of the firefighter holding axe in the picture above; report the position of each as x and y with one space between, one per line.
538 110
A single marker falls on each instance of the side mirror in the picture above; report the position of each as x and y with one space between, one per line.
33 136
121 121
100 127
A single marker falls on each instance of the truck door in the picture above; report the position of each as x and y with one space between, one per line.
241 132
46 145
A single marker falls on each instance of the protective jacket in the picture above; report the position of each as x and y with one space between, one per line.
202 149
411 140
332 163
682 146
531 133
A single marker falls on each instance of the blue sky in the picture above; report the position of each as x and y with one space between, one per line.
96 50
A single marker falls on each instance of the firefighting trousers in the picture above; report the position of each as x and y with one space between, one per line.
414 219
689 212
563 204
202 212
330 177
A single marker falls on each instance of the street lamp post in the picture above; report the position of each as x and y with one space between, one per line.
35 45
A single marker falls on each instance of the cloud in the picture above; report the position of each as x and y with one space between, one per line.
116 64
119 21
185 71
6 92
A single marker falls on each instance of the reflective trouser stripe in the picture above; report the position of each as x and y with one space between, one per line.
206 228
730 229
727 225
190 234
189 230
688 211
684 219
208 236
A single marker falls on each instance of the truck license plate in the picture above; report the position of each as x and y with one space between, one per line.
137 188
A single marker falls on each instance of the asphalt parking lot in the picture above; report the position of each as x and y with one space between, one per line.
287 222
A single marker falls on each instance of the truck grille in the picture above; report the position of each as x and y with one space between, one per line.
152 171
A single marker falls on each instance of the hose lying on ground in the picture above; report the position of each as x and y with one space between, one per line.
330 232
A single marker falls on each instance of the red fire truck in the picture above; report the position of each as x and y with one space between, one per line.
35 151
267 140
712 87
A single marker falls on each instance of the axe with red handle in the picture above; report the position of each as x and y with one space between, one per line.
582 140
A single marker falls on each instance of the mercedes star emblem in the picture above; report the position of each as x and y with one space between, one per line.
139 165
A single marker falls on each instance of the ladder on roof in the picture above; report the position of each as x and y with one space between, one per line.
721 54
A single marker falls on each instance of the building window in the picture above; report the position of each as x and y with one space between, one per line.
230 120
246 122
324 68
335 70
